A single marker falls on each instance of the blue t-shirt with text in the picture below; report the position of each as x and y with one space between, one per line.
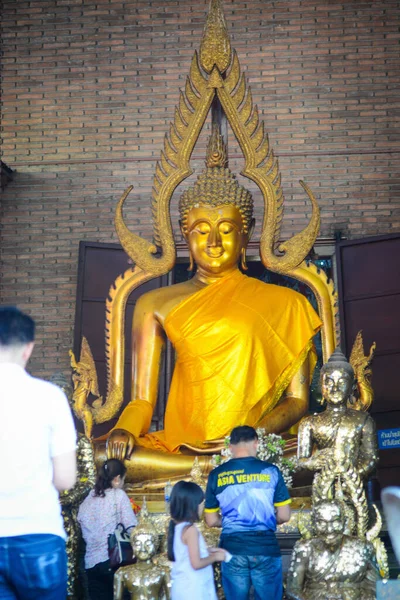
246 491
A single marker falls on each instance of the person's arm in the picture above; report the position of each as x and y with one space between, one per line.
64 471
190 537
283 514
86 475
213 519
211 510
128 517
62 441
282 500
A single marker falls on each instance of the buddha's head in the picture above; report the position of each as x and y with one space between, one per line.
144 543
337 379
144 537
329 522
216 214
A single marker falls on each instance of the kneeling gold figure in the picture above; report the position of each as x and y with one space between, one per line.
331 565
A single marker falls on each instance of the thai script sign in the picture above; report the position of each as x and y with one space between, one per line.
389 438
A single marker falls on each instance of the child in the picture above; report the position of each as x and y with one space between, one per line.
192 573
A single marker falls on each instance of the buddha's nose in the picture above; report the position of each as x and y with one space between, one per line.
214 239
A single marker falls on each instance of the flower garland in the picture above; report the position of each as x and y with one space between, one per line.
270 449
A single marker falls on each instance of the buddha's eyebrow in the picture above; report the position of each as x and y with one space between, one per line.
212 222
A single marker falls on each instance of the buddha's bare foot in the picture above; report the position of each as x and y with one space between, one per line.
120 444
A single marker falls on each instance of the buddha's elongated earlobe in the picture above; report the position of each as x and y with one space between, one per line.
191 262
243 259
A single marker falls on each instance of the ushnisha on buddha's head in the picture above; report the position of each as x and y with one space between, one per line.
329 522
216 215
337 379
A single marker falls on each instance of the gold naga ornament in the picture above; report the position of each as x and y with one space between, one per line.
215 76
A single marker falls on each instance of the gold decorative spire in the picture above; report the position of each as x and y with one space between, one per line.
216 150
145 524
215 48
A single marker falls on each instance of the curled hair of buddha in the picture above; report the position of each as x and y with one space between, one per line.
217 186
337 360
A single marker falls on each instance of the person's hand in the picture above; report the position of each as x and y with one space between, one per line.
218 554
120 444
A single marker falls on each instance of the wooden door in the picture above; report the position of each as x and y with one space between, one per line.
369 291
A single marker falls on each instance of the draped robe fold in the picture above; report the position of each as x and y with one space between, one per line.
238 344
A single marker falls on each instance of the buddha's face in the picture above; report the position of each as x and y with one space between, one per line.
215 237
329 524
144 545
336 386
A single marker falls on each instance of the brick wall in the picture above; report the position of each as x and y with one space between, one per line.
89 88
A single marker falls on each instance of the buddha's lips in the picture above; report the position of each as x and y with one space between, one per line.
215 254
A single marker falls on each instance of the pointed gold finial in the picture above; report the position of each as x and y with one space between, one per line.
144 511
216 150
215 48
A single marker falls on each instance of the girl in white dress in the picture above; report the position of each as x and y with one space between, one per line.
192 574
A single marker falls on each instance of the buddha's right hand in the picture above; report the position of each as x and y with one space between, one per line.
120 444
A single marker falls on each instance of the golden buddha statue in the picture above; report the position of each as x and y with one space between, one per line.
244 349
332 565
340 436
144 580
240 343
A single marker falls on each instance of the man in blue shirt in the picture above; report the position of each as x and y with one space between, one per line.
248 498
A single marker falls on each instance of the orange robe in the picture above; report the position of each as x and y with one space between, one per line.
238 344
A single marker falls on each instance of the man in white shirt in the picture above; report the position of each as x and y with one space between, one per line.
37 449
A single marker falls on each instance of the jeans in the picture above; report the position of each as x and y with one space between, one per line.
101 581
33 567
264 573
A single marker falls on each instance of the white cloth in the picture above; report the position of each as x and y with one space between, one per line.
36 425
391 508
98 516
189 583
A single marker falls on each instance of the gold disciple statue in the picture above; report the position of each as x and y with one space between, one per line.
244 349
340 437
331 565
143 580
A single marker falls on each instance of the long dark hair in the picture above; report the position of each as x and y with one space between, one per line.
184 506
107 472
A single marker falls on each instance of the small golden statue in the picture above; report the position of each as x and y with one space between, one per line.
341 436
144 580
332 565
71 500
